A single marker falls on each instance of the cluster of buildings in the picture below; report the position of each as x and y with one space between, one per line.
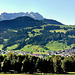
67 52
20 53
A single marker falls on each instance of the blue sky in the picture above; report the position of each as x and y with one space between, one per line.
61 10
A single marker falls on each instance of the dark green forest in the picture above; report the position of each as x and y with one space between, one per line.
31 64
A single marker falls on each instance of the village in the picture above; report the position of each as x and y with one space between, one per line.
63 53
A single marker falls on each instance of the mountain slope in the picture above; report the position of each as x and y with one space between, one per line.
39 38
51 21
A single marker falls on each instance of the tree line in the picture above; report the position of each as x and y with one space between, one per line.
32 64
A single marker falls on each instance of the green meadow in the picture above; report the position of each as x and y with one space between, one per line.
55 45
73 73
1 46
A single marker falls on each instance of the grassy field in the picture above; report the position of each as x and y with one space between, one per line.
55 45
12 30
73 73
33 48
1 46
12 47
60 30
15 74
37 30
71 36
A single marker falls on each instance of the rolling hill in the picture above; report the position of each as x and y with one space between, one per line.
20 22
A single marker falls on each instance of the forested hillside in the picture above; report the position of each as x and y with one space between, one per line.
27 34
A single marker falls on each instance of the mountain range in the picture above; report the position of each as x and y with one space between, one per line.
9 16
28 34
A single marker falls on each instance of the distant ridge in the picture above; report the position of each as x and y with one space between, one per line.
9 16
36 16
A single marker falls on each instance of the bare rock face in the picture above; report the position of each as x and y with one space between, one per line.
9 16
